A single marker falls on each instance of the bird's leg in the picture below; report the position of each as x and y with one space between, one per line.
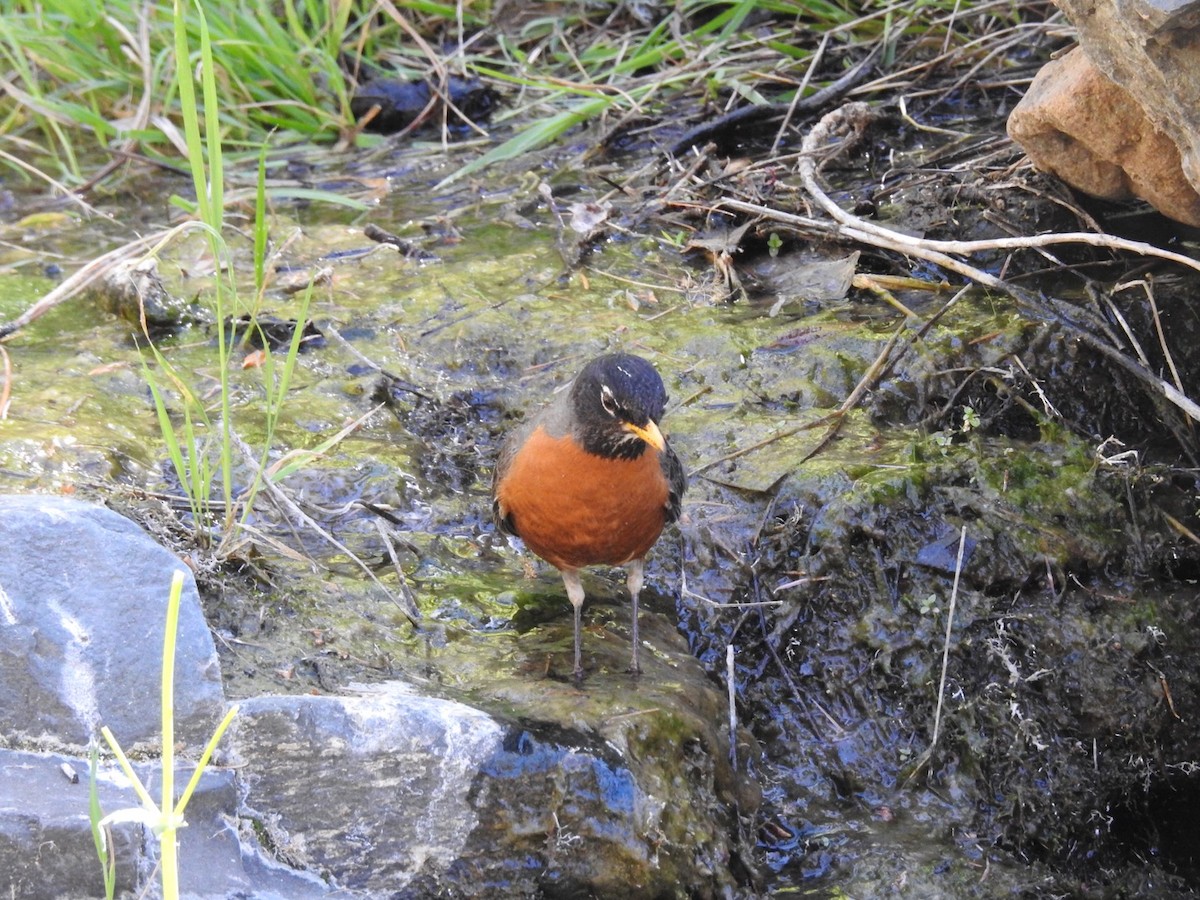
634 581
570 578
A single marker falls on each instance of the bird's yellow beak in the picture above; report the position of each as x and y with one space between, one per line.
650 434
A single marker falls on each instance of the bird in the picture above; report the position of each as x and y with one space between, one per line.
591 480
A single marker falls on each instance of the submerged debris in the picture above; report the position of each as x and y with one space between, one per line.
389 105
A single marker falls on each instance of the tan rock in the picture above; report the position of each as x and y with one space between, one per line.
1152 49
1092 133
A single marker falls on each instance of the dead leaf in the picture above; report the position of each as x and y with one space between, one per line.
587 218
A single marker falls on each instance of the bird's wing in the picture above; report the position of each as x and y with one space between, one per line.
676 482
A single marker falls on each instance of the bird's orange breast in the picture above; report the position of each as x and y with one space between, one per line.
574 509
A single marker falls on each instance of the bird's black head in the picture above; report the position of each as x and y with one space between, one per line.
618 401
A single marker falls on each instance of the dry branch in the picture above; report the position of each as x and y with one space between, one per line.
837 130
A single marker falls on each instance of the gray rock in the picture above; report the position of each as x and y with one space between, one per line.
83 598
47 849
220 856
394 794
620 789
368 789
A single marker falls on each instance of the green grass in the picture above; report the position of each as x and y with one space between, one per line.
198 433
83 77
87 75
199 440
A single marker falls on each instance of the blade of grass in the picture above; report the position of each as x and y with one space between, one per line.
531 138
260 225
297 459
171 819
276 394
195 484
191 122
100 833
209 181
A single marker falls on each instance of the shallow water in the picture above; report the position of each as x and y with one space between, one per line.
841 560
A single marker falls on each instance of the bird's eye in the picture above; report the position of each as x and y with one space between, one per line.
608 401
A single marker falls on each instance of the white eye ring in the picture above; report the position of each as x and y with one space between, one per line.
607 400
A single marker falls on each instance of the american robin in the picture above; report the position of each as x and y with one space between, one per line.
590 479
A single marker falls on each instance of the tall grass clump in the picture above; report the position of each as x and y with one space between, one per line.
200 442
200 450
83 78
162 78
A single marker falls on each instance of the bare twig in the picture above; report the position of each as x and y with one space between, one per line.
958 564
54 183
732 684
280 497
6 388
819 143
777 436
925 757
1181 528
93 271
816 146
882 360
413 611
1162 338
